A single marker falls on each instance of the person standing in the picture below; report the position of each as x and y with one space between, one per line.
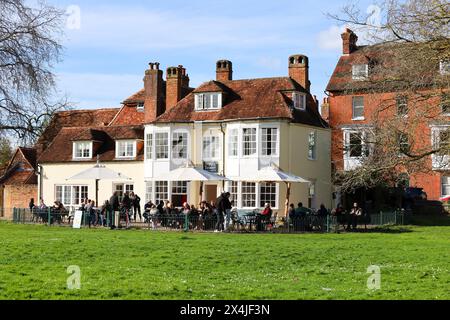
354 215
115 206
222 205
136 204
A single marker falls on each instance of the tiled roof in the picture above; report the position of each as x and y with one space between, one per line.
263 98
75 118
30 155
128 115
60 150
136 97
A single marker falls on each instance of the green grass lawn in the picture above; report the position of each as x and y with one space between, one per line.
135 264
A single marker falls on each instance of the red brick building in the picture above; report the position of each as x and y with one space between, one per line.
352 104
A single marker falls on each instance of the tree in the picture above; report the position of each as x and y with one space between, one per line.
409 56
29 46
5 152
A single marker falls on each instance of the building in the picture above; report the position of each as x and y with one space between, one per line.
234 128
231 127
352 104
18 182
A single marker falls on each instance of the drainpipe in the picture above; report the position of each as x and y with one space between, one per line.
223 153
39 173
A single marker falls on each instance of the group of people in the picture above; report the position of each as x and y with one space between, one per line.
350 220
204 216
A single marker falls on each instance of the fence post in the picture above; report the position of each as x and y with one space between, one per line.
395 217
49 217
381 218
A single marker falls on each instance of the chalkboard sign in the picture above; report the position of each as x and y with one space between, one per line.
211 166
77 219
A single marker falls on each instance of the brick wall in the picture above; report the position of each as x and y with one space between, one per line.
18 196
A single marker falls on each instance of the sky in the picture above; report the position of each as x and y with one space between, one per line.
108 44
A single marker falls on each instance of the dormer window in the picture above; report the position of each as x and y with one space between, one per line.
299 100
126 149
208 101
444 67
82 150
360 71
140 107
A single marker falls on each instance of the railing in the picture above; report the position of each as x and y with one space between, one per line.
243 221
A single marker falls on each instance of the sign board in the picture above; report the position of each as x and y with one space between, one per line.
77 219
211 166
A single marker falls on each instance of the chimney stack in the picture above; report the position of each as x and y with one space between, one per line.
174 81
299 70
349 39
153 83
325 109
224 70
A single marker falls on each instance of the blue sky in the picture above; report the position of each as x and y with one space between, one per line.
105 58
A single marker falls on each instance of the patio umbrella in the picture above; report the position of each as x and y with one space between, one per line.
273 173
98 172
191 173
444 199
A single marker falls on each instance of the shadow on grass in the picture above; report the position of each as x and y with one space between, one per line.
442 220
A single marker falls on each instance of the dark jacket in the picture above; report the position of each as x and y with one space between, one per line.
222 204
114 201
126 202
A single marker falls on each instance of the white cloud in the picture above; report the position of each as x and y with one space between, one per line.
98 90
330 39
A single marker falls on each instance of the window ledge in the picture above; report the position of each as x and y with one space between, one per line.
358 119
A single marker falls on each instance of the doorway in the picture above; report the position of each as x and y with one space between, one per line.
210 193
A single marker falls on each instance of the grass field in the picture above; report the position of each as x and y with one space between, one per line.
134 264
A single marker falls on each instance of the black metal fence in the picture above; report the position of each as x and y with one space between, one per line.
233 222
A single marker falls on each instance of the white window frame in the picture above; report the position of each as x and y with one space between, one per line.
255 194
126 187
204 101
255 142
212 153
151 186
233 142
359 106
446 185
260 193
149 146
238 194
157 145
358 73
365 147
263 148
444 67
84 144
140 107
185 144
299 100
402 102
72 196
312 145
439 161
127 143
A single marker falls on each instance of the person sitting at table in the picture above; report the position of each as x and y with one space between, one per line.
263 218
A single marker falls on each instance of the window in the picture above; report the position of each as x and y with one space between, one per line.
233 143
358 108
179 193
208 101
360 71
445 183
161 191
179 145
444 67
249 141
149 147
269 141
162 145
403 143
299 100
233 185
82 150
268 194
356 145
148 191
140 107
211 147
71 195
445 104
402 106
122 188
312 194
248 194
126 149
312 145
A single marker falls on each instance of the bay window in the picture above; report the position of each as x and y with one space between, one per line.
162 145
211 147
249 141
269 137
179 145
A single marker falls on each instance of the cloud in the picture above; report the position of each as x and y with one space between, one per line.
330 39
98 90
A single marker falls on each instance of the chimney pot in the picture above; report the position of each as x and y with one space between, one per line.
224 70
299 70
